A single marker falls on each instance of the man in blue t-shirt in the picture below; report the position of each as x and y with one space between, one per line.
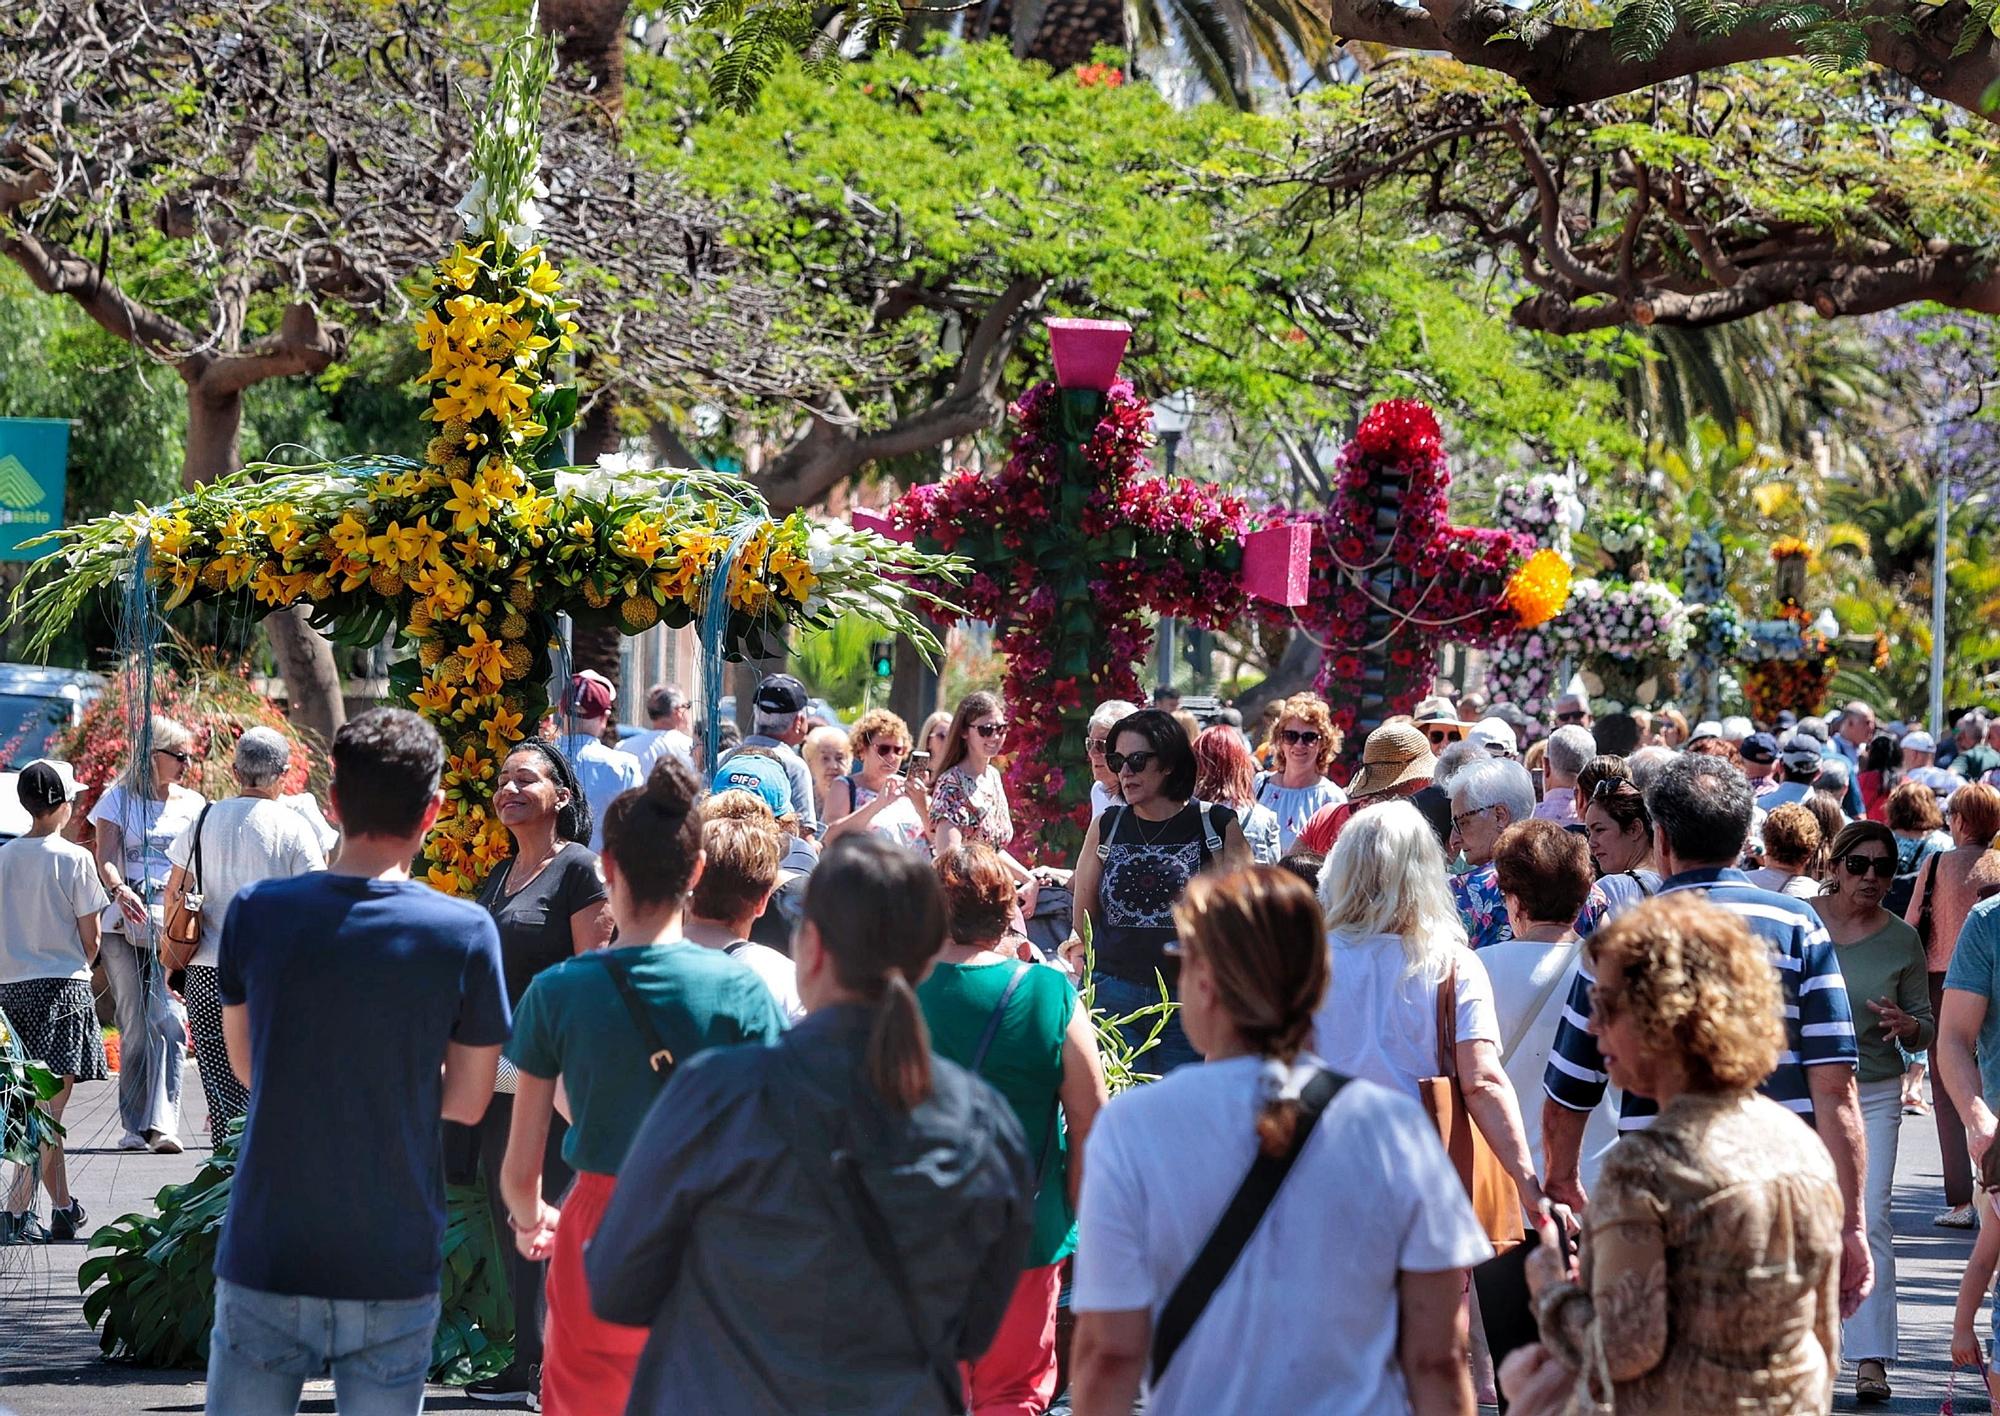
1701 808
360 1009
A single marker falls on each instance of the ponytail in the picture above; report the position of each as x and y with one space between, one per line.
899 1046
1261 936
880 914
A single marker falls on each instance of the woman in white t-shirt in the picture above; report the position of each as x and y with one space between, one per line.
1346 1298
137 819
247 838
1302 745
1394 935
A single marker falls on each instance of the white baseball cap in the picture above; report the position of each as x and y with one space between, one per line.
1495 736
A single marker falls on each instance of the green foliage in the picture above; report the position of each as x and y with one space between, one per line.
150 1284
836 661
24 1084
1120 1058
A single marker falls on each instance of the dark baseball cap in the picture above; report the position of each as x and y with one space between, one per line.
1759 748
43 786
780 693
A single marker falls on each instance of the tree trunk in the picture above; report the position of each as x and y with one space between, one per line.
1297 667
312 679
598 647
591 35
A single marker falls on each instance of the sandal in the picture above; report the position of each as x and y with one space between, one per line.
1871 1386
1961 1218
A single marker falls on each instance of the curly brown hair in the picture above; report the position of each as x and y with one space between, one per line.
1792 834
1696 982
1310 709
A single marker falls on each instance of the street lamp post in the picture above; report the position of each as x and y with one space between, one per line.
1172 417
1938 558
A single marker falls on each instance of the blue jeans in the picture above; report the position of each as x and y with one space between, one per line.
1116 997
266 1346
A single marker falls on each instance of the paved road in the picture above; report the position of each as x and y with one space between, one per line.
50 1364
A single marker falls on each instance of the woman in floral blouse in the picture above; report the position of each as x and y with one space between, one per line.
968 799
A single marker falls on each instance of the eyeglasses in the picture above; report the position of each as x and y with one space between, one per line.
1294 738
1440 736
990 730
1096 747
890 750
1459 819
1859 865
1137 761
175 753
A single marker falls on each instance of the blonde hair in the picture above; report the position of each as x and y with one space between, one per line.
1310 709
819 737
1387 876
878 723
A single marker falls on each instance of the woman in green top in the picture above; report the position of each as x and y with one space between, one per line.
611 1025
1888 992
1017 1025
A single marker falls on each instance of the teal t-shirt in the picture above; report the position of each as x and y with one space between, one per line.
1023 1064
572 1024
1975 968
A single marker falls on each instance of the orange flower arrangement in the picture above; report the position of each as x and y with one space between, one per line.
1539 589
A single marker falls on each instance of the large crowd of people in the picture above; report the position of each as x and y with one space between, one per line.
790 1076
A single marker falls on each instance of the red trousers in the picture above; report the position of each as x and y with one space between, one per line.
1016 1376
587 1363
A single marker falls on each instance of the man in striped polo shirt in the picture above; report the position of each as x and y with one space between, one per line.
1701 809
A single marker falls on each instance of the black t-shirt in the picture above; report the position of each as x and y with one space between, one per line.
1148 867
535 923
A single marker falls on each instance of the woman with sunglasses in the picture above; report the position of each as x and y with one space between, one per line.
929 748
876 796
1888 990
137 820
1303 744
1135 864
968 799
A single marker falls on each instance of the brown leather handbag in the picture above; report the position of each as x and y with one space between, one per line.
180 934
1494 1199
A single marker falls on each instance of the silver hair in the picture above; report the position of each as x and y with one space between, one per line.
1453 760
1109 713
263 755
1735 728
1833 774
1570 748
166 736
1497 781
1646 764
772 724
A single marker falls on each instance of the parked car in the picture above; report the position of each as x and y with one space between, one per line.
37 705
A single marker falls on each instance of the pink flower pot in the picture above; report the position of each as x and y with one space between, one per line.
1087 351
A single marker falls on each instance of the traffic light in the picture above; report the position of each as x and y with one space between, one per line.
882 653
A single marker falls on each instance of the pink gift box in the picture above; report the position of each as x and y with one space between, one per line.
1275 563
868 519
1087 351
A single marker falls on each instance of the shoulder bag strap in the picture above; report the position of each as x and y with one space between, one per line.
999 1009
1447 1019
735 945
1645 891
1926 925
195 858
1184 1306
1115 815
1209 835
661 1060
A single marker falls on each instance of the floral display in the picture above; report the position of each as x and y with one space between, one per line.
1545 504
1392 578
1071 543
472 551
1625 632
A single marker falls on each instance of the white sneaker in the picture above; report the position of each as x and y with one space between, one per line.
166 1143
132 1141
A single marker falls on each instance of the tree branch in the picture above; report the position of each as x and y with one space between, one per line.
302 345
1555 245
828 454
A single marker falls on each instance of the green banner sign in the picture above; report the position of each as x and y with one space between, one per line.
34 458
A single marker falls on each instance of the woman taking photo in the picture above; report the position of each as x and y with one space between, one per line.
548 902
1710 1273
1136 860
1017 1026
891 1191
875 796
1949 884
1888 993
1226 775
1302 744
1374 1201
611 1026
1396 939
231 846
1620 832
968 799
137 820
929 749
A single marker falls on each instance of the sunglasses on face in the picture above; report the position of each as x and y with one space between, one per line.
990 730
1602 1004
1859 865
1096 747
176 754
1573 715
1440 736
891 750
1136 761
1294 738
